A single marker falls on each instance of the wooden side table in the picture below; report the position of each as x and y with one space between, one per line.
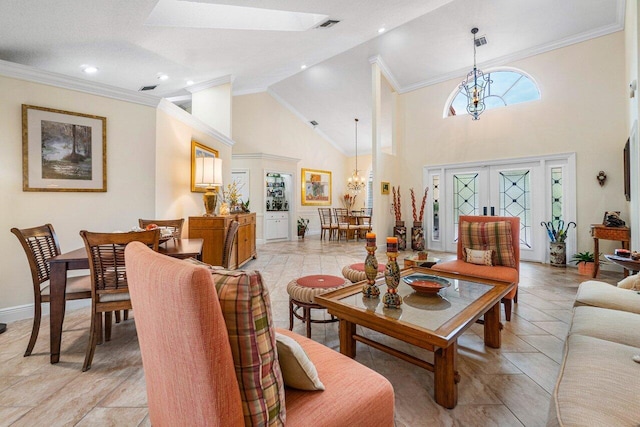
629 264
599 231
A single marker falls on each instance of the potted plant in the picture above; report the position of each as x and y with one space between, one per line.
303 223
585 262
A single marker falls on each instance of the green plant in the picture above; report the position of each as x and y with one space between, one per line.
583 257
303 223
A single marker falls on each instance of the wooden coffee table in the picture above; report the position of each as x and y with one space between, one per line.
432 322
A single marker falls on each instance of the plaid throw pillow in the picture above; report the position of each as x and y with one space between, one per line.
246 308
495 236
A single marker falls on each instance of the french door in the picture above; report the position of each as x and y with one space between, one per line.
514 188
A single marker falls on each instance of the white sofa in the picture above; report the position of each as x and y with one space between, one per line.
599 383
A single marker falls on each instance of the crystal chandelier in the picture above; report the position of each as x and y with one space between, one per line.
355 183
476 86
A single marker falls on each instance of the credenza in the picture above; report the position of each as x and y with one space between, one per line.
213 229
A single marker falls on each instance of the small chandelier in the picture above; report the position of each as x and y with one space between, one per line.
476 86
355 183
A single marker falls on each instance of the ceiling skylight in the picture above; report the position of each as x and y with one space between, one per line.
179 13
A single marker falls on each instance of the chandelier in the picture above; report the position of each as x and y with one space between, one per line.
475 86
355 183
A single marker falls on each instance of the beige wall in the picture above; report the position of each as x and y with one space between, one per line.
174 198
262 125
131 158
582 110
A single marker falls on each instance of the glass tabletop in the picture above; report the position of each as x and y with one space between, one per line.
428 311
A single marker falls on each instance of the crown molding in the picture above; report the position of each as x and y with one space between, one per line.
32 74
264 156
228 79
249 91
536 50
305 120
386 71
186 118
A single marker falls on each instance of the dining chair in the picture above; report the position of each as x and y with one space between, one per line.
232 230
40 244
344 223
326 223
109 288
175 225
364 221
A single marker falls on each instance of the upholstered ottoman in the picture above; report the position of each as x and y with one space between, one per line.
355 272
302 292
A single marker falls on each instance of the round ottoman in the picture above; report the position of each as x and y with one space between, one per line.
302 292
355 272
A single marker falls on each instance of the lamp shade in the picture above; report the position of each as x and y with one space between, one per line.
208 172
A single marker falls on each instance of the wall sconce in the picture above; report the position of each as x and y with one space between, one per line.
602 177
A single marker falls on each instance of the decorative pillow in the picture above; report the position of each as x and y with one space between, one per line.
631 282
246 308
474 256
495 236
298 370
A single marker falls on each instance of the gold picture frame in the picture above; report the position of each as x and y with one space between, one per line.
316 187
63 150
384 187
199 150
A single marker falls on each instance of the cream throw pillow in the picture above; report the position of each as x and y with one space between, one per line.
631 282
297 369
474 256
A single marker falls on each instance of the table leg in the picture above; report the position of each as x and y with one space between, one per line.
58 284
492 335
596 256
445 387
347 343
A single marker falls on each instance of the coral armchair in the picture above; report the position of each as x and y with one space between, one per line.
470 229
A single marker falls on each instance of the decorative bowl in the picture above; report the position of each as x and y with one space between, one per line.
426 283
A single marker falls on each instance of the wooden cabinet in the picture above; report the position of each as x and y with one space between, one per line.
276 225
213 230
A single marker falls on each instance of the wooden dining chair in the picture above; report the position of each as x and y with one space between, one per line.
40 244
326 223
232 230
109 289
344 223
175 225
364 221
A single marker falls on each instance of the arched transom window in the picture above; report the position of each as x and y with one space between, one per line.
507 87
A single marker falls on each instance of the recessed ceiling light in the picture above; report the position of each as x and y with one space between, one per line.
90 69
381 30
303 67
163 77
189 82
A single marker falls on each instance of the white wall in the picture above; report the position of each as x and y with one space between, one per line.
583 110
131 158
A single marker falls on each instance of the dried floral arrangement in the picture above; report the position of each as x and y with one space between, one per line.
348 201
413 204
397 207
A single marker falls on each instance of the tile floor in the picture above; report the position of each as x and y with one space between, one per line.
507 386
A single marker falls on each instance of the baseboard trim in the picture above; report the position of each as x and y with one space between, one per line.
21 312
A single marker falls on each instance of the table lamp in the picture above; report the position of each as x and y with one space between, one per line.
209 175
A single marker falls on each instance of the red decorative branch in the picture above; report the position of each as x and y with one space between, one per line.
424 200
413 205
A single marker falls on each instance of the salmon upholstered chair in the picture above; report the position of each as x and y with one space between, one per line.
221 367
473 232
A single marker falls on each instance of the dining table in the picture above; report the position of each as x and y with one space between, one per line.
79 260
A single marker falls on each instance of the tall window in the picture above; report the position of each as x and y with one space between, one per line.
507 87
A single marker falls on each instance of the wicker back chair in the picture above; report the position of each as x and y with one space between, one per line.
175 225
326 223
228 243
40 244
109 288
344 223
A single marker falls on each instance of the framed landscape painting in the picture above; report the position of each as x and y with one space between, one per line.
316 187
63 151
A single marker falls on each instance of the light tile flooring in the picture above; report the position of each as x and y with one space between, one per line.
507 386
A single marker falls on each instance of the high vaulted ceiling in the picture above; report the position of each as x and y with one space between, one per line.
425 41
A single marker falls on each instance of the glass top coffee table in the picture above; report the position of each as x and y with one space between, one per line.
430 321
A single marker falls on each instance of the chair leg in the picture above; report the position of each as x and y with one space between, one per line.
37 314
94 330
507 309
107 325
117 316
126 314
290 315
515 298
307 320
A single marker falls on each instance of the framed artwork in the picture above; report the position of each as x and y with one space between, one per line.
199 150
384 185
63 151
316 187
